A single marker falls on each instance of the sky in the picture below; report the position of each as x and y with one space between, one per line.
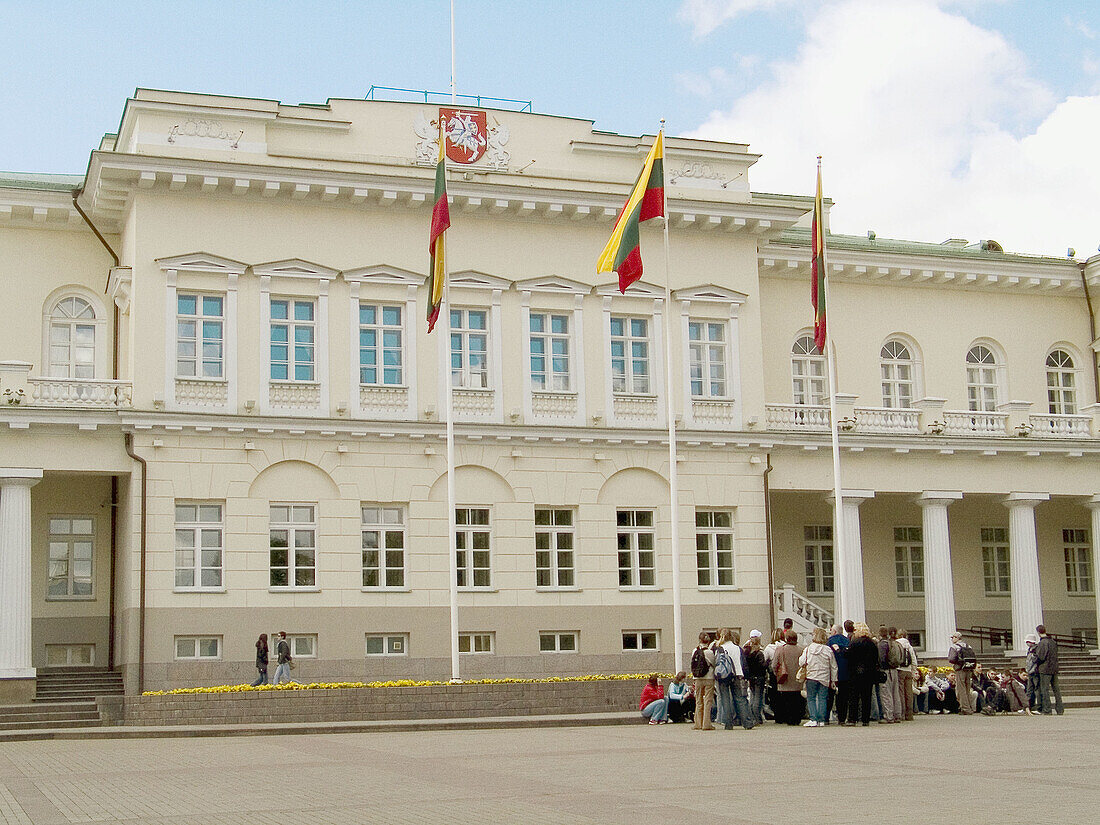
971 119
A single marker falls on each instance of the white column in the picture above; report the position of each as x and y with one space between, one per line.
850 603
1023 558
1094 505
939 583
15 572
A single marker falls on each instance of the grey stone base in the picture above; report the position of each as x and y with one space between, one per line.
17 691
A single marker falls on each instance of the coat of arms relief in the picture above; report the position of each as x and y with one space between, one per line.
470 138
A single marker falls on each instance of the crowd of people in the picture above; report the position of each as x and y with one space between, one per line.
848 675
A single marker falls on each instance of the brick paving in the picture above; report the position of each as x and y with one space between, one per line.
975 770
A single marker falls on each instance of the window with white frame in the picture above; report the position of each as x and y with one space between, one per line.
995 560
71 543
550 356
198 647
1078 555
387 644
293 339
472 543
637 558
1061 384
981 379
303 645
630 355
634 640
554 548
383 532
72 339
818 546
807 372
475 642
909 560
470 348
708 357
554 641
200 335
293 545
199 544
381 354
70 655
714 548
897 375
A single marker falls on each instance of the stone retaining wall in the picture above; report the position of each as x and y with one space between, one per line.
372 704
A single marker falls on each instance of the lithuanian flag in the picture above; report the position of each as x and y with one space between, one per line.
647 200
441 221
817 266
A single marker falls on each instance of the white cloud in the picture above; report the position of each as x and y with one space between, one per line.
704 16
930 127
705 84
1081 27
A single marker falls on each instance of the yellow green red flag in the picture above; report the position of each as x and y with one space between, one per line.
647 200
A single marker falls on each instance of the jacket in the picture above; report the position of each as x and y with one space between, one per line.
261 657
283 649
1046 656
789 655
678 691
756 668
907 646
862 658
839 644
820 663
650 694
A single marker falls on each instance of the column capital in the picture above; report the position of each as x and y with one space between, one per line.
1024 499
19 476
1094 502
931 498
856 497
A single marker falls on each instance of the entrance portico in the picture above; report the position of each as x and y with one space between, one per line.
17 676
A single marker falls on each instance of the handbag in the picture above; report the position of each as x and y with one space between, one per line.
801 674
781 674
292 664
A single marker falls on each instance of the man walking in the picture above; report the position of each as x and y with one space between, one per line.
282 651
1046 658
962 657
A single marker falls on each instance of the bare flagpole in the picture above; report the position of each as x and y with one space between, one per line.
444 347
670 413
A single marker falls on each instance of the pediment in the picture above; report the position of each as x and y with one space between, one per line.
711 293
295 268
202 262
554 283
638 289
383 274
472 279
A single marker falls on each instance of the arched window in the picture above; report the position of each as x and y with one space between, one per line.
1061 389
72 339
981 379
897 375
807 372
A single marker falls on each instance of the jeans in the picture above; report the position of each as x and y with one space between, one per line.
726 712
816 695
741 703
1033 691
756 699
838 699
656 711
281 672
1048 682
922 702
262 679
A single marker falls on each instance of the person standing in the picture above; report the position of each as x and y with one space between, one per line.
888 663
1031 672
1046 659
963 659
907 675
863 672
820 666
702 670
282 658
757 673
788 694
261 660
838 698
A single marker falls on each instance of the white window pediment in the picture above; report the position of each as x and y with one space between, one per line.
711 294
638 289
383 274
472 279
554 283
202 262
295 268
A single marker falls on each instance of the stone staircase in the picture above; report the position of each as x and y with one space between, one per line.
806 616
77 684
41 715
1079 676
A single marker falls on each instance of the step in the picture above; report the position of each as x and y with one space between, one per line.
55 716
51 724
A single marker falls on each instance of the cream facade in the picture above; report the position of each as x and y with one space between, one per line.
223 415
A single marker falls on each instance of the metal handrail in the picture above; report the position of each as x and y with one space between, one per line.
984 632
445 97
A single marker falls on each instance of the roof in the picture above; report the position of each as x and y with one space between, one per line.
41 182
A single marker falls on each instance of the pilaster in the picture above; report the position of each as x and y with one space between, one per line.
1094 505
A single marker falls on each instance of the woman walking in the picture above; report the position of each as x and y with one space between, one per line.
261 660
821 673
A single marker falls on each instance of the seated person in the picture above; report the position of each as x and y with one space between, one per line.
653 704
920 692
941 694
681 698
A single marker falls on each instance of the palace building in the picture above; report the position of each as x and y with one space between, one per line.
222 415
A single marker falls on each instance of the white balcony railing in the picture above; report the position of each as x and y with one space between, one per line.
636 409
76 392
961 422
1061 426
292 395
474 404
887 420
797 417
383 402
553 405
193 392
713 412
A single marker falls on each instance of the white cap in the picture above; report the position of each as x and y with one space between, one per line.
755 634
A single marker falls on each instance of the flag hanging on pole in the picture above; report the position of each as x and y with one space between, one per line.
647 200
441 221
817 266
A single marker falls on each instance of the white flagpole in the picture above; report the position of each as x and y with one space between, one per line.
445 347
673 477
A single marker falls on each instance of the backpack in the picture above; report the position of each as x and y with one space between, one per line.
906 657
967 657
893 655
699 664
723 664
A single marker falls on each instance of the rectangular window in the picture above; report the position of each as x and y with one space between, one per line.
199 544
552 641
470 348
550 352
475 642
198 647
1078 553
383 546
71 552
388 644
909 560
293 339
200 336
70 655
995 565
381 355
714 548
641 640
916 639
637 563
629 355
818 544
472 552
708 358
293 545
554 548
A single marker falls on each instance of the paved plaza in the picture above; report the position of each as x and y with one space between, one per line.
938 769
